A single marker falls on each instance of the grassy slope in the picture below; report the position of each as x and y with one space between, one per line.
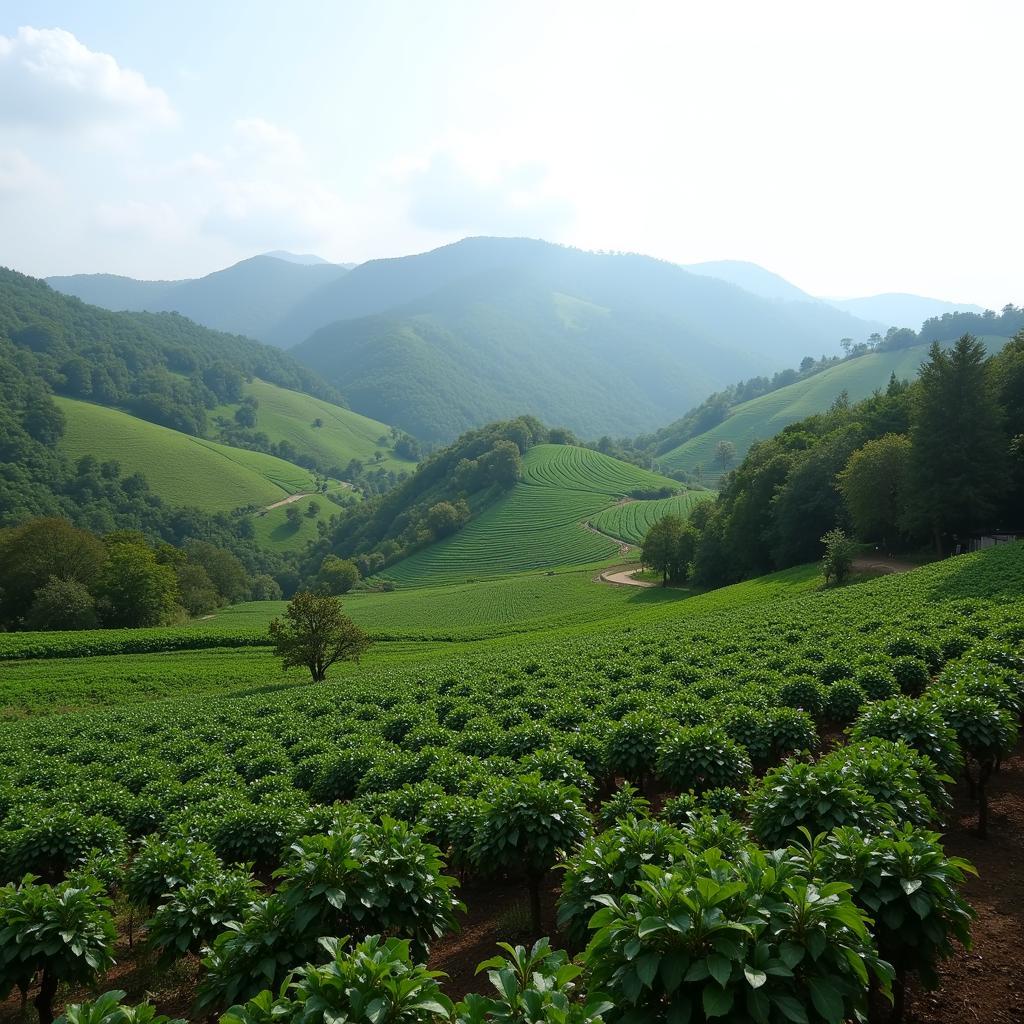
538 524
285 415
766 416
631 520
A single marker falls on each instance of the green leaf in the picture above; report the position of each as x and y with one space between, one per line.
755 978
719 968
717 1001
826 999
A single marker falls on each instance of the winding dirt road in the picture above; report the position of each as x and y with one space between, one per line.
624 578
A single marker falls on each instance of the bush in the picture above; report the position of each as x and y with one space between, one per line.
677 809
373 983
161 867
802 694
839 555
528 825
538 985
368 878
255 835
910 888
199 911
53 935
631 747
917 724
790 730
705 831
817 797
843 700
701 757
751 939
108 1009
625 802
50 844
911 675
611 863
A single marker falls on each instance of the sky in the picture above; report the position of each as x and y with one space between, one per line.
852 148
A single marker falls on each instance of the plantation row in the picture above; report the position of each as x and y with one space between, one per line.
539 523
632 519
500 763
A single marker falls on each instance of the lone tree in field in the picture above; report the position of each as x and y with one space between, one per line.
669 548
839 554
725 454
316 634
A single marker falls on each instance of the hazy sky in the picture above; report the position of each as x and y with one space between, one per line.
853 148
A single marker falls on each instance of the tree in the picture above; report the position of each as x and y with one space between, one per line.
446 517
293 516
134 589
225 571
338 575
958 453
669 548
195 589
312 510
314 633
36 552
873 485
839 554
62 604
725 454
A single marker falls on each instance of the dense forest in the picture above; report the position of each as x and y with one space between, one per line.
928 462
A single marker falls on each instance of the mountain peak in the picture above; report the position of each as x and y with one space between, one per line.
305 259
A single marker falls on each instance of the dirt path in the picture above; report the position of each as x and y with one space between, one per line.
624 578
288 500
882 564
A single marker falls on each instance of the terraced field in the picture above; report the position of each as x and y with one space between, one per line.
631 520
538 524
766 416
285 415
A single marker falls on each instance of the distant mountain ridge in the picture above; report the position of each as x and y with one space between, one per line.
247 298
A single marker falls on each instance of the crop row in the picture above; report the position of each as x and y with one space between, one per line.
631 520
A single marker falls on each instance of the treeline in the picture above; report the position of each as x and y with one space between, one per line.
159 366
447 489
924 463
54 575
716 407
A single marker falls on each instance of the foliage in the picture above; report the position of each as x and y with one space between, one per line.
532 986
315 634
917 724
750 939
109 1009
701 757
839 555
53 934
160 867
668 548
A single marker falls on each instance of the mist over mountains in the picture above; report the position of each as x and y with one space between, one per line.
483 328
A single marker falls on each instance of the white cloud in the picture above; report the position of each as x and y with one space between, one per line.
48 78
18 173
469 186
146 222
257 138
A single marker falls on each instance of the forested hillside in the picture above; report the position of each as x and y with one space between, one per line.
440 342
249 298
922 463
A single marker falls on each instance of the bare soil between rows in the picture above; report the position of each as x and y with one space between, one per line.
984 984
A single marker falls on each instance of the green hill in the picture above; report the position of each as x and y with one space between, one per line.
289 416
765 416
539 523
248 298
182 469
601 343
630 520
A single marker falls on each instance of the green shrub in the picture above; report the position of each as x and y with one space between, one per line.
843 699
743 940
911 889
817 797
533 986
199 911
162 866
911 675
917 724
701 757
677 809
626 802
611 863
257 835
109 1009
527 825
50 844
51 935
802 694
631 747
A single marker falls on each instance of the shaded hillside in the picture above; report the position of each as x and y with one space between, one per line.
602 343
765 416
248 298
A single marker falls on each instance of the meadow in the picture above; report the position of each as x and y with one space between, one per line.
344 435
182 469
539 523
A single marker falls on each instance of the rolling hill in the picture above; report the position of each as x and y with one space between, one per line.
248 298
491 327
289 416
765 416
182 469
541 523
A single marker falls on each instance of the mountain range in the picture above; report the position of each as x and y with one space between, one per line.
484 328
